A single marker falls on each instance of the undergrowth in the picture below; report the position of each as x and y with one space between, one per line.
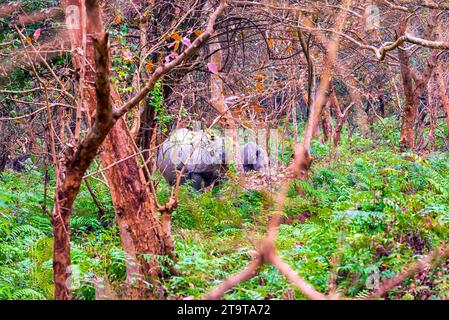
365 212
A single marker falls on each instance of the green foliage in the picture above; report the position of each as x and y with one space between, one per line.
365 210
157 103
369 212
26 243
218 209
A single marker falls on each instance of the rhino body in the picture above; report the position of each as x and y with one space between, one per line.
253 157
203 157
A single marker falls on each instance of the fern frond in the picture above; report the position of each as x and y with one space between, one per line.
84 222
26 229
28 294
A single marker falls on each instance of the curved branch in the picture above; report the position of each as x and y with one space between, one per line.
164 69
249 272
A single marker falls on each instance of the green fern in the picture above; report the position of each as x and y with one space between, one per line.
82 223
26 230
438 182
27 294
42 222
361 295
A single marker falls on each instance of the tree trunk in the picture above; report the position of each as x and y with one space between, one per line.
147 132
73 166
361 116
3 149
139 225
328 126
136 212
443 93
340 116
413 92
217 101
432 119
140 228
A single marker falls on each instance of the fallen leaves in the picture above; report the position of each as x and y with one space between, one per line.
260 180
198 32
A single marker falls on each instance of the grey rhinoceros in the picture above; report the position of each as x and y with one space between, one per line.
203 154
200 152
253 157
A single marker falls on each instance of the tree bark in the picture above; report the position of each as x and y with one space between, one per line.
73 168
443 93
361 116
140 228
431 103
339 114
326 122
136 211
413 91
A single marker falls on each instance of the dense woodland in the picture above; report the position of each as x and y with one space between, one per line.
328 121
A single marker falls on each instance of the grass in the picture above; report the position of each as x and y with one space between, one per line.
369 211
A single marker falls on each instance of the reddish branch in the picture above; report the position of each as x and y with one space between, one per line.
246 274
417 268
437 6
414 85
40 16
443 92
299 168
7 9
340 114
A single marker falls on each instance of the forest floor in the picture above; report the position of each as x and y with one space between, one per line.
270 179
365 213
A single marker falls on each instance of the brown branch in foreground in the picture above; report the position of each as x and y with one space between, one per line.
306 288
250 271
39 16
299 167
7 9
417 268
437 6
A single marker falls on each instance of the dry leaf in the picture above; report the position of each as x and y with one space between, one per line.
176 37
175 48
149 66
198 32
308 23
